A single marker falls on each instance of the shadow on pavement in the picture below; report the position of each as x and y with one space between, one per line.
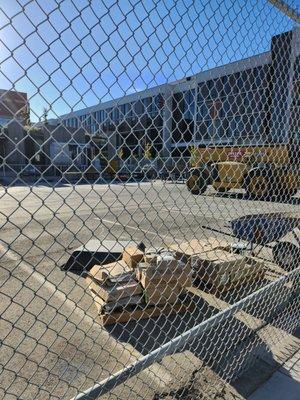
225 350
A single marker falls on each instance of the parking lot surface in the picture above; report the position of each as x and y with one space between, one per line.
64 348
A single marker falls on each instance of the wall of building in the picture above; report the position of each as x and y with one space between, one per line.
12 104
231 104
13 144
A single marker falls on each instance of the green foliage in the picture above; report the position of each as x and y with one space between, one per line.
25 115
45 115
194 155
121 153
148 151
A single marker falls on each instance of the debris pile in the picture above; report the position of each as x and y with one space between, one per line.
146 283
140 281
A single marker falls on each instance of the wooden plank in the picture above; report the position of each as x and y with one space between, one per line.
156 294
144 313
222 269
132 256
218 289
147 274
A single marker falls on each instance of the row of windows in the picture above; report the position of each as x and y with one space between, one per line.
247 126
240 93
250 102
244 81
150 106
224 87
240 104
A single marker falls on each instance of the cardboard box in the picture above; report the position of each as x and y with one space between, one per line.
223 268
162 293
116 292
196 246
104 307
132 256
110 274
147 274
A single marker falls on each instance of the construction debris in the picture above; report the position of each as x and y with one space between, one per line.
116 292
141 281
224 269
147 282
196 246
110 274
132 255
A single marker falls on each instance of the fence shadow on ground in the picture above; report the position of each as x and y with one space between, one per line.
226 349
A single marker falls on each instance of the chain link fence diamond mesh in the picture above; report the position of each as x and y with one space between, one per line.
149 204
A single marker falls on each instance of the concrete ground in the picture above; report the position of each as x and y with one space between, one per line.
283 384
52 343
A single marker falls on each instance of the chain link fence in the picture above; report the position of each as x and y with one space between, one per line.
149 204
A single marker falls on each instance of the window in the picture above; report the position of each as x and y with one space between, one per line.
159 102
261 76
116 114
189 105
258 124
126 110
94 128
73 122
248 80
139 107
73 151
240 87
146 102
204 111
151 107
203 131
226 85
107 115
213 89
204 90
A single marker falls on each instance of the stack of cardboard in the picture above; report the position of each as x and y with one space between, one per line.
163 277
113 286
223 268
139 281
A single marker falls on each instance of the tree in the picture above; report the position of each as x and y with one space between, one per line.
121 153
45 115
27 124
25 115
148 151
193 155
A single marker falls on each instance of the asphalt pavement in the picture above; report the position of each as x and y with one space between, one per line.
52 343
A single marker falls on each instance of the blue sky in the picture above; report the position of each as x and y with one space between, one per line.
69 54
